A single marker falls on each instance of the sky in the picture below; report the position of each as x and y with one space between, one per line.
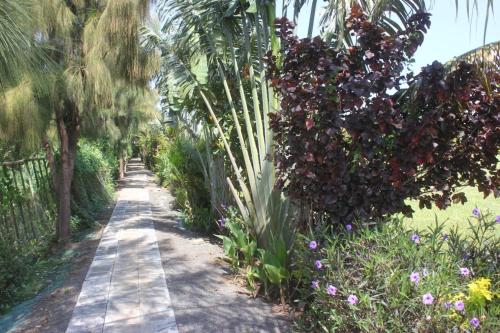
450 34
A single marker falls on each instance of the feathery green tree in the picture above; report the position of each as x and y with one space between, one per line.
19 50
95 47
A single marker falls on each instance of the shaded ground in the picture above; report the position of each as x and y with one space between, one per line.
203 291
125 290
204 294
51 312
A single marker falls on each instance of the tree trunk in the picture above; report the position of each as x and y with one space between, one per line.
122 166
68 137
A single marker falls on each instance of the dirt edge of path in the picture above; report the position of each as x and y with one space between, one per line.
52 312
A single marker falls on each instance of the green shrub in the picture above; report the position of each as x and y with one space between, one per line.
21 272
380 279
93 182
13 263
267 267
24 267
178 165
149 143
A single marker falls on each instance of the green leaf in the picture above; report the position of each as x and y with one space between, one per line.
274 274
252 9
228 245
232 8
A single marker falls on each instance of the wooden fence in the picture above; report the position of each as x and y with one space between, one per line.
27 200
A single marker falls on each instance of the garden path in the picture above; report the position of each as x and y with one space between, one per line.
144 248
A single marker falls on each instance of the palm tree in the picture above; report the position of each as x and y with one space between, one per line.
487 57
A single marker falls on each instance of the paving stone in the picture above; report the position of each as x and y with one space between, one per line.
125 289
131 325
162 322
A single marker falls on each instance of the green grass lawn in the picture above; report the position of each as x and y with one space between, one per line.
456 214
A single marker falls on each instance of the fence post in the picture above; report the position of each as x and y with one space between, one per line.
23 215
11 204
28 205
48 180
38 204
19 203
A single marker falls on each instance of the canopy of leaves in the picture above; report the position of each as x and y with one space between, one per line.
353 142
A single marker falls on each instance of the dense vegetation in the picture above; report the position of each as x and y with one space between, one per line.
184 165
299 154
353 143
26 264
388 279
74 90
317 135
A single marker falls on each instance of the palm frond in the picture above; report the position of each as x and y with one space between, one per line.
392 15
487 57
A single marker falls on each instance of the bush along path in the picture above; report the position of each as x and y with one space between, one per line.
126 286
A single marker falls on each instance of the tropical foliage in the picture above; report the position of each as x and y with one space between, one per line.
388 280
296 152
220 91
97 82
28 260
352 142
236 103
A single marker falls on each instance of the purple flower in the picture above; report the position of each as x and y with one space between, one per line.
222 222
352 299
331 290
459 305
447 305
415 277
474 322
318 264
315 284
415 238
313 245
476 212
223 206
464 271
445 237
427 299
348 227
425 272
497 219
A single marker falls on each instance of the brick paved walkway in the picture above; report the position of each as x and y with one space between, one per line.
125 289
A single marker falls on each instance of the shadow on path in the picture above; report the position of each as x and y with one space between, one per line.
204 294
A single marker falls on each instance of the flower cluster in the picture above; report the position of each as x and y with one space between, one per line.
478 293
331 290
457 303
435 280
478 290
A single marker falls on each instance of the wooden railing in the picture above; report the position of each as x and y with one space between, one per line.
27 201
